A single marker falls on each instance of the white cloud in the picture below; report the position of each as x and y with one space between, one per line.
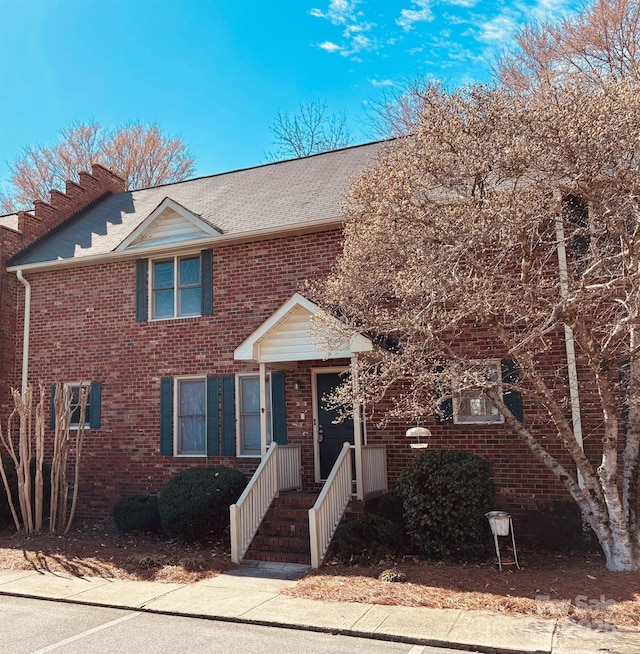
339 12
344 13
499 28
328 46
378 83
464 3
408 17
550 9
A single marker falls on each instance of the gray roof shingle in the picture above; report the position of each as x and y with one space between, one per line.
266 197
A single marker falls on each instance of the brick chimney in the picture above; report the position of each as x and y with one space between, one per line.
48 215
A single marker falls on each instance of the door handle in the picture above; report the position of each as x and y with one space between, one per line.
320 434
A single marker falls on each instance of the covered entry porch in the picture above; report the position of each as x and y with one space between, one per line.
342 462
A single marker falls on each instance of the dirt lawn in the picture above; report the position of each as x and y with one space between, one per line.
577 586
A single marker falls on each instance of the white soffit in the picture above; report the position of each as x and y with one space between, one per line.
169 222
287 336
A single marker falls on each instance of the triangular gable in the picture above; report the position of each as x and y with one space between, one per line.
169 222
288 336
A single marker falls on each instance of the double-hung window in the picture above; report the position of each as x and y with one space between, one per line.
209 416
248 414
72 396
191 416
176 287
75 401
474 406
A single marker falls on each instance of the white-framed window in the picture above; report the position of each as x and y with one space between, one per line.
190 415
473 406
248 414
72 392
176 287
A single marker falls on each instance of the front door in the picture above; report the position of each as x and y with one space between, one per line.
331 435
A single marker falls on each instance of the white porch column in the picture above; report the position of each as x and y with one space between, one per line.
263 410
357 433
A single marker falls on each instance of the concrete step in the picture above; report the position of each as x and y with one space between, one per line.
279 557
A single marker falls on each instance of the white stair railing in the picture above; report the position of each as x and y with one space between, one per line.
265 484
374 467
326 513
289 466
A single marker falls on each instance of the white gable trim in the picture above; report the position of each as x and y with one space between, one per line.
202 228
287 336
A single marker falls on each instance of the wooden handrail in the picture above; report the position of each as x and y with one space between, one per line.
326 513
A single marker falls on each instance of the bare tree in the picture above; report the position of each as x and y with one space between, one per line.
310 131
139 153
600 44
25 445
516 223
396 110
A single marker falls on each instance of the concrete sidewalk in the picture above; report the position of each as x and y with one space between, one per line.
253 594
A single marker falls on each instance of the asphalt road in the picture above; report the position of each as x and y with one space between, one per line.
30 626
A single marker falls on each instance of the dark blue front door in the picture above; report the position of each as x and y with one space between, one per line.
331 435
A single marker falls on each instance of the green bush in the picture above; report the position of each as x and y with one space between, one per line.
194 504
369 538
445 494
390 507
137 513
12 478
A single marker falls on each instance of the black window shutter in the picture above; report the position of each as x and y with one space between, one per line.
513 399
141 289
445 414
278 408
52 421
228 415
213 417
95 405
166 416
206 261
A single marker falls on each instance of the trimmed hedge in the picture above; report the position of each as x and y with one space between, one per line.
445 494
194 504
137 513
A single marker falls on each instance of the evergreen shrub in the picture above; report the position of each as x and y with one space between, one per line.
445 495
369 538
137 513
194 504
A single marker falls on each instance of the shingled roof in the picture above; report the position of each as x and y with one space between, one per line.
272 196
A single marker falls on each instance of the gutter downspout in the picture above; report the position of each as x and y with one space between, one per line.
569 345
27 328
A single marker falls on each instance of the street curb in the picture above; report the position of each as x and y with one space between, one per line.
427 642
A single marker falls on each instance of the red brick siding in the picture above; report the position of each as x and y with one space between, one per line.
83 327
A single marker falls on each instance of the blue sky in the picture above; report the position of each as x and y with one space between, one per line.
217 72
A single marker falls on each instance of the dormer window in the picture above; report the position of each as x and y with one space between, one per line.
176 288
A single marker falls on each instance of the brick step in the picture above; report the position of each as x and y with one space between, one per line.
287 515
283 535
279 544
283 528
278 557
301 500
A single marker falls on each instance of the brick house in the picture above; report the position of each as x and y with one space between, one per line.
182 307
